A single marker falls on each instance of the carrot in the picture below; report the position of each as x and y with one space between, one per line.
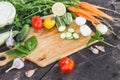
83 13
93 9
78 14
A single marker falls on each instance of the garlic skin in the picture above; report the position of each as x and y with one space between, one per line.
101 48
30 73
17 63
94 50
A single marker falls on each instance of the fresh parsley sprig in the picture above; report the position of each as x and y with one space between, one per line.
98 37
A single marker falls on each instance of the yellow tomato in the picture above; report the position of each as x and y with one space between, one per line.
49 23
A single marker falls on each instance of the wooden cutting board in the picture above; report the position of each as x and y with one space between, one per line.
50 47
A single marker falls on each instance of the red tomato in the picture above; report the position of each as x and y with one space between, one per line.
66 65
37 22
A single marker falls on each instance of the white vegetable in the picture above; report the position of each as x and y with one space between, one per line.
17 63
102 28
80 21
71 30
4 36
7 13
10 40
85 30
63 35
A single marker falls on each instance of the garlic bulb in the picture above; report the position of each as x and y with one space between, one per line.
17 63
94 50
30 73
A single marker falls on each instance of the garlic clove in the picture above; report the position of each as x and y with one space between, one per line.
30 73
17 63
101 48
94 50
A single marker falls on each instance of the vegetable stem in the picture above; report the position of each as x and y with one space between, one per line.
107 43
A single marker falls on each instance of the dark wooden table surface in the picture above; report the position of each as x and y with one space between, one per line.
104 66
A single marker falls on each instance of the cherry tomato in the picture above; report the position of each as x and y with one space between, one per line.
37 22
66 65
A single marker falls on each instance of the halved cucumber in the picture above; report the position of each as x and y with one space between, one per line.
61 28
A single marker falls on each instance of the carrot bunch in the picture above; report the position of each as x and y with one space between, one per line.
89 11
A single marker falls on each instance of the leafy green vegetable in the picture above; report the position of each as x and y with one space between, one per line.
31 43
15 53
23 50
25 9
98 36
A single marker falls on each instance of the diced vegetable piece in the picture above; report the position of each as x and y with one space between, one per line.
71 30
63 35
76 36
68 19
85 30
7 13
102 28
80 21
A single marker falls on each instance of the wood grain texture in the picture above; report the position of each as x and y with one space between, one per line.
50 47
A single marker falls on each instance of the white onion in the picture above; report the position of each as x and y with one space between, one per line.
102 28
85 30
80 21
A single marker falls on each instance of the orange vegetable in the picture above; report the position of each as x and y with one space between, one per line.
92 8
82 12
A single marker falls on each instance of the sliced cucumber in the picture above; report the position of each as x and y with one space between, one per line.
61 28
76 36
71 37
71 30
63 35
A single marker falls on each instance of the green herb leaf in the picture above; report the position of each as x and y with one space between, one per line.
23 50
15 53
90 41
31 43
98 36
